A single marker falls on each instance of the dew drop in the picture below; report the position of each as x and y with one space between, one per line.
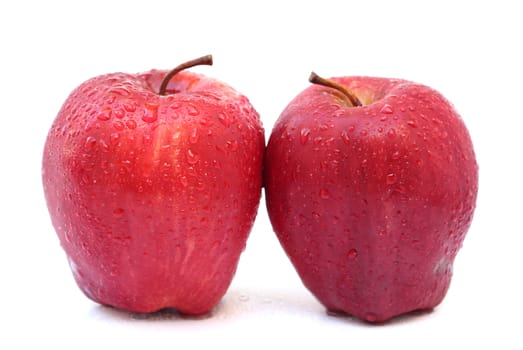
194 137
89 143
222 117
119 113
384 118
192 158
120 90
396 155
232 145
412 108
184 181
391 179
177 135
192 110
352 254
118 125
111 100
104 115
115 137
391 133
324 194
304 135
129 107
149 116
412 124
386 109
345 137
104 146
131 124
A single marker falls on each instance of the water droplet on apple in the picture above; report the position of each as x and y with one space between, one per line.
104 146
222 117
345 137
384 118
184 181
324 194
396 155
387 109
118 125
131 124
146 139
110 100
391 179
115 137
119 113
194 137
352 254
120 90
104 115
192 110
391 133
412 108
304 135
149 116
412 123
90 142
192 158
129 107
232 145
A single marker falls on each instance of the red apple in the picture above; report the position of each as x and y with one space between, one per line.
371 186
153 182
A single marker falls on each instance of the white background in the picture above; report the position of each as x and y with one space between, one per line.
469 51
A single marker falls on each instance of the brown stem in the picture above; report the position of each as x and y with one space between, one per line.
352 99
204 60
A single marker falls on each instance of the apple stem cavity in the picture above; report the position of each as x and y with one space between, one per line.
204 60
351 98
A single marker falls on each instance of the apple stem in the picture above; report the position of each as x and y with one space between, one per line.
352 99
204 60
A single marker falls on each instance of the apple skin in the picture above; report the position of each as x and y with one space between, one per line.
371 203
153 197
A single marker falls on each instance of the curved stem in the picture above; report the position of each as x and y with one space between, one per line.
204 60
352 99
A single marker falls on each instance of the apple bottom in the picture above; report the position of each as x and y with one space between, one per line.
382 308
143 290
